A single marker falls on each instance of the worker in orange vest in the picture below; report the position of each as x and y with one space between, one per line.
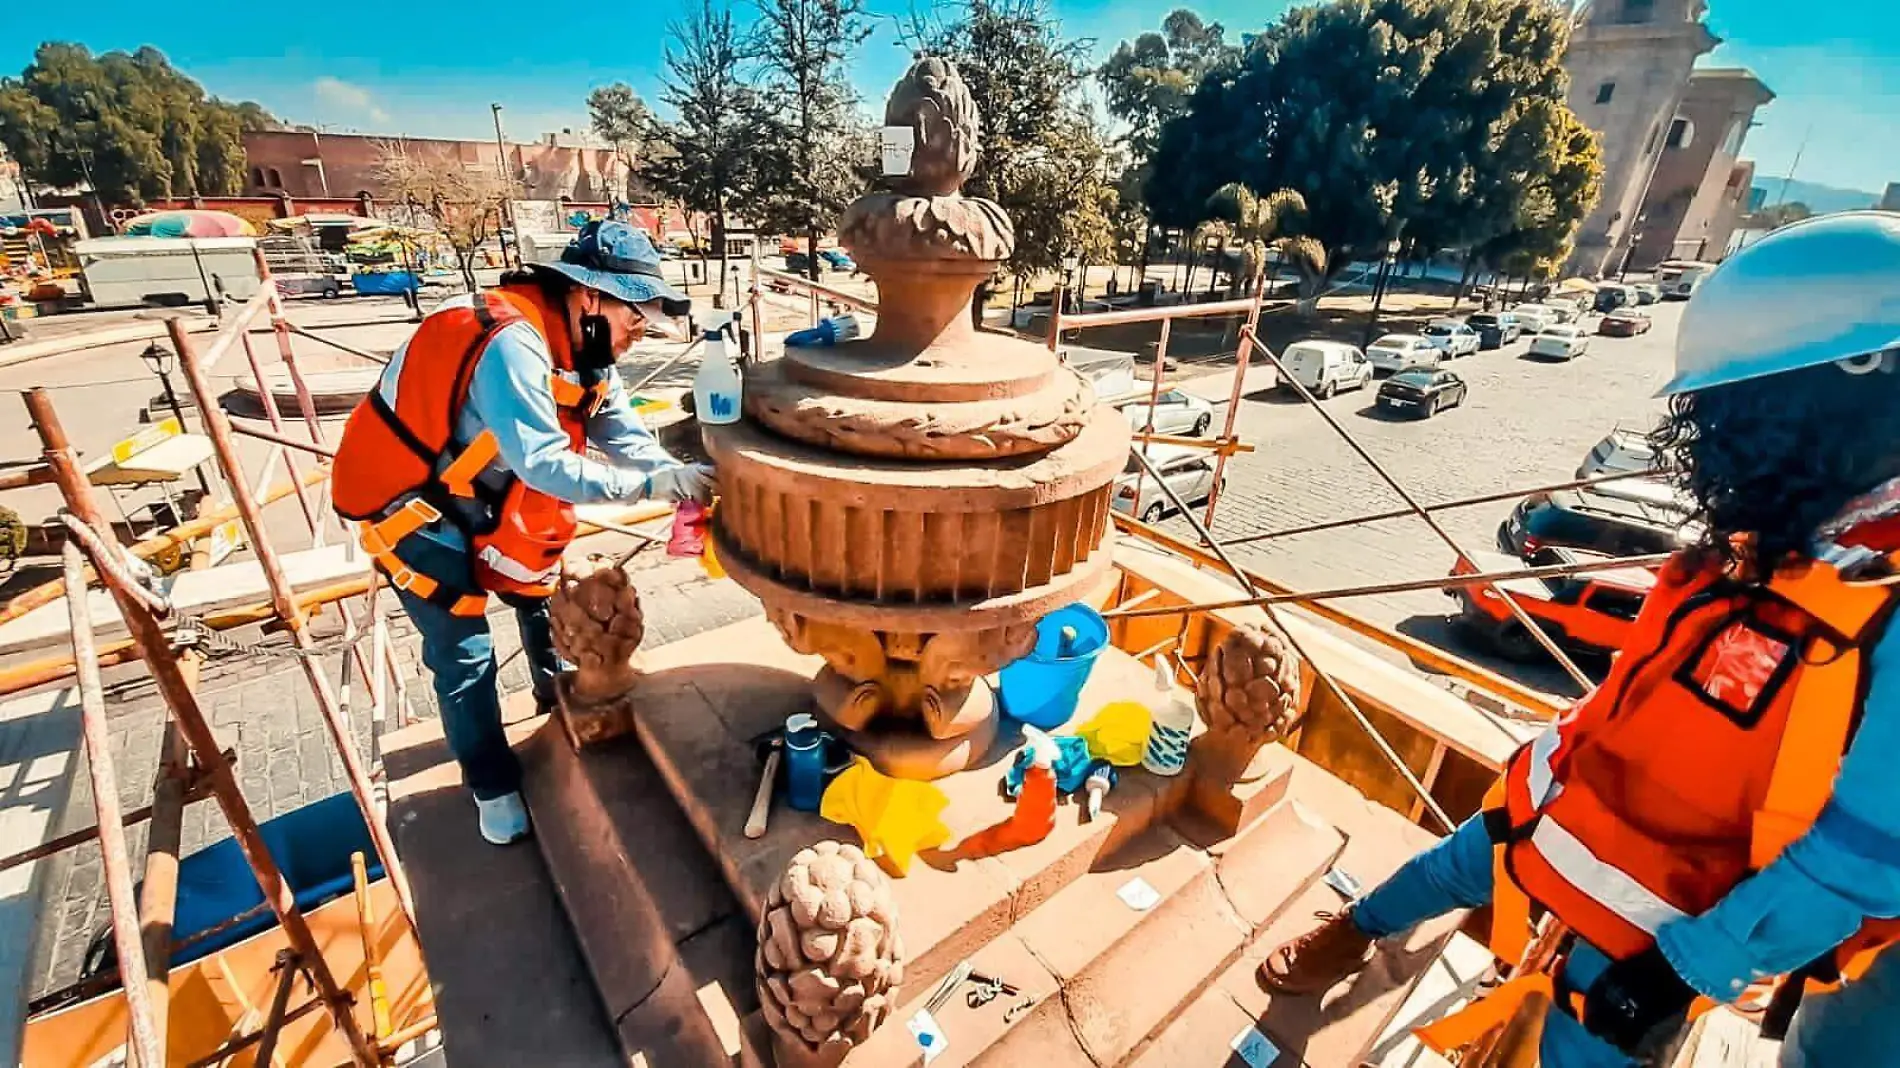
463 466
1722 812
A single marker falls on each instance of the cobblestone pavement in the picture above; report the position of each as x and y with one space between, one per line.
1527 423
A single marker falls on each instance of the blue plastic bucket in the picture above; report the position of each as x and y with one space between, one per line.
1042 688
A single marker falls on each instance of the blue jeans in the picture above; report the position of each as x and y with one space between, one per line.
1850 1027
459 652
1456 874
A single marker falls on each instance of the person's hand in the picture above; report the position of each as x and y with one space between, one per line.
1638 1002
694 482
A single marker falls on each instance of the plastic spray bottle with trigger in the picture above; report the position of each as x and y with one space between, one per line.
1167 749
1035 814
717 388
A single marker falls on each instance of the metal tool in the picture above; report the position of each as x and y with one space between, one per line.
762 800
987 989
1015 1011
941 995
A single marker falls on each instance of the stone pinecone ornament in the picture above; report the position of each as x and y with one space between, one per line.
597 624
830 959
1249 692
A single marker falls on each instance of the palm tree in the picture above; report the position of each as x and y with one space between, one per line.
1257 223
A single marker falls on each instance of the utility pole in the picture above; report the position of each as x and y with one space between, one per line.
507 189
1796 165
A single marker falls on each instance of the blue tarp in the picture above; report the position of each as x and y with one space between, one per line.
386 282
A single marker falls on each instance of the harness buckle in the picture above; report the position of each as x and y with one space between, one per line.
425 511
402 578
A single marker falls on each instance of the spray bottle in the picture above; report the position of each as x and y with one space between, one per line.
717 388
1173 723
1035 814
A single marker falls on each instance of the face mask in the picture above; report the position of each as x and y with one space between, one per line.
596 350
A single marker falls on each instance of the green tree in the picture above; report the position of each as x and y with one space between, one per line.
1259 225
129 125
620 118
1417 121
814 136
1148 81
708 169
1043 159
1539 238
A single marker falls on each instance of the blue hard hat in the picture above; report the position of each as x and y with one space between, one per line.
620 261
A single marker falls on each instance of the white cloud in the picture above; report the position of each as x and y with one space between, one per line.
337 93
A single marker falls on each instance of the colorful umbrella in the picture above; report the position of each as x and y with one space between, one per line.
189 223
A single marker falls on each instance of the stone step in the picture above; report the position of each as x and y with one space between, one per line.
1343 1026
1102 975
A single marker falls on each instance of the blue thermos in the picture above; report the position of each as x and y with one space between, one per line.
804 761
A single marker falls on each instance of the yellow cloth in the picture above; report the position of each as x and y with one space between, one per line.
894 817
1118 733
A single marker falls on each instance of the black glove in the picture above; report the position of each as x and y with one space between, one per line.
1638 1002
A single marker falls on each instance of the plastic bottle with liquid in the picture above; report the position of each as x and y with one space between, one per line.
718 388
1173 723
1035 814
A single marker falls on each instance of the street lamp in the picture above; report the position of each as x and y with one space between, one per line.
1386 253
1070 261
507 191
163 362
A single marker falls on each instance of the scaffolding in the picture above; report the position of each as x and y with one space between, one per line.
193 765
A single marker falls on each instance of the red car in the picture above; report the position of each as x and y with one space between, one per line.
1590 613
1624 322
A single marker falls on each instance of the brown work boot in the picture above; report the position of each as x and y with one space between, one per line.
1316 960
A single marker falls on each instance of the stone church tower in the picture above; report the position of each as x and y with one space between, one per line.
1629 63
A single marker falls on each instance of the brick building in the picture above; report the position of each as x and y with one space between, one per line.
1629 64
309 163
1700 187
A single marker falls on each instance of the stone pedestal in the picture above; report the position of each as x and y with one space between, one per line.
907 505
586 722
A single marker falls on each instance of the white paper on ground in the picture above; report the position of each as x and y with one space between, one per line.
1138 895
1255 1048
930 1037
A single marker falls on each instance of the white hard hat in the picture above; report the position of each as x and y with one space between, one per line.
1819 291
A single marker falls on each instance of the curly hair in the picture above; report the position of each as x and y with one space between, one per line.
1769 460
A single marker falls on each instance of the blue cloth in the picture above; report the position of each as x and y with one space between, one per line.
459 652
1810 899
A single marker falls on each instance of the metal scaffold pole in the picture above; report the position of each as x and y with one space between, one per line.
162 663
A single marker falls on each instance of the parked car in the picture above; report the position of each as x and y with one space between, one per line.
838 260
326 286
1611 297
797 263
1560 342
1396 352
1535 317
1452 337
1623 450
1624 322
1679 279
1496 329
1422 391
1600 519
1590 613
1176 413
1189 473
1648 293
1326 367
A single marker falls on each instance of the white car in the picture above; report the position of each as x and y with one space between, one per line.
1560 342
1535 317
1327 367
1396 352
1452 337
1189 472
1177 413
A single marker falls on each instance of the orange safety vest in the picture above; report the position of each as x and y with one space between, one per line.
1712 745
396 469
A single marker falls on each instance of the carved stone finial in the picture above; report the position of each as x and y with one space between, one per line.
932 100
1249 692
597 626
829 959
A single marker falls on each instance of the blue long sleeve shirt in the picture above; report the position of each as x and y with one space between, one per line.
1845 869
509 397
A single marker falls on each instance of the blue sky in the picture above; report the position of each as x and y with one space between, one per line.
433 67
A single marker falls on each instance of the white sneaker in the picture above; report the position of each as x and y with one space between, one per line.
504 819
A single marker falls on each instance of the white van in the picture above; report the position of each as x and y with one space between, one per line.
1678 279
169 272
1327 367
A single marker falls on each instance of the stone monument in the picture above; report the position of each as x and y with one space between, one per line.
1249 694
596 621
907 505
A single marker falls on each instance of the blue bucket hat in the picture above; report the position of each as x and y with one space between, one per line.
620 261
